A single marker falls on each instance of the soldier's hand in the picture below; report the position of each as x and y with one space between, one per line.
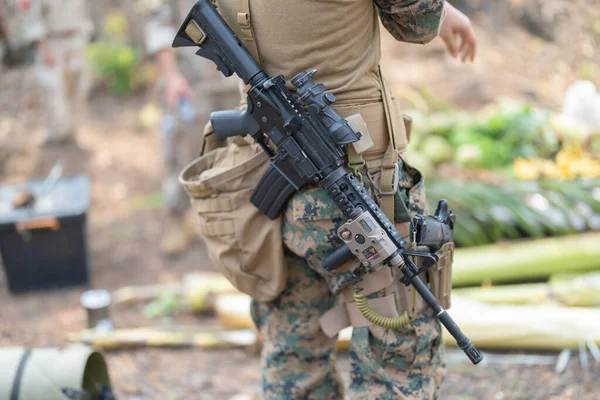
48 56
458 35
176 87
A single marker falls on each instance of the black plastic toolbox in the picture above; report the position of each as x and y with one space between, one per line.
44 245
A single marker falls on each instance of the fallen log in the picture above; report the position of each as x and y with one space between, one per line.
547 327
488 326
174 338
196 290
527 260
570 290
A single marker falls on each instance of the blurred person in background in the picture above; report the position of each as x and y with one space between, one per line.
4 45
190 89
61 30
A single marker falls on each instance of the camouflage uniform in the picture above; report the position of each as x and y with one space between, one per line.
66 27
341 40
299 359
182 127
3 36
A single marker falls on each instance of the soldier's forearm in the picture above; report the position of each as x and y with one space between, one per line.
167 63
3 27
42 45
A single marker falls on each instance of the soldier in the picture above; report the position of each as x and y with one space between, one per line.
4 44
190 90
61 30
341 40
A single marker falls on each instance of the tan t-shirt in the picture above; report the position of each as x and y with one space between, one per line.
338 38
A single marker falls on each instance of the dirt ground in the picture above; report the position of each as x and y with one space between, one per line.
122 161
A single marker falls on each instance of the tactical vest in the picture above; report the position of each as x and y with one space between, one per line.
341 40
338 38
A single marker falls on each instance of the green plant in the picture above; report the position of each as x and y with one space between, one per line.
117 64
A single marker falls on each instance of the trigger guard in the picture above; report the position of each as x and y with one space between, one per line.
429 259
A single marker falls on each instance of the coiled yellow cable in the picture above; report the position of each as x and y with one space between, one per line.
377 319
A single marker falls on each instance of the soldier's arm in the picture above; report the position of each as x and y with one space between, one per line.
3 26
176 85
413 21
159 34
458 34
36 21
35 16
419 21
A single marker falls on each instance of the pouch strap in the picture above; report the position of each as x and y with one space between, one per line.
398 299
212 205
245 22
355 161
371 283
440 275
217 228
334 320
389 173
355 151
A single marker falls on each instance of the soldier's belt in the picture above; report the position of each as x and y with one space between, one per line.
374 118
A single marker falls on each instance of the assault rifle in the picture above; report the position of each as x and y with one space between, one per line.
306 141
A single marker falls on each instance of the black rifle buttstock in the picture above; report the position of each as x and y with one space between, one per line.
272 193
205 28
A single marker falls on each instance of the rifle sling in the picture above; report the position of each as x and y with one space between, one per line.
245 22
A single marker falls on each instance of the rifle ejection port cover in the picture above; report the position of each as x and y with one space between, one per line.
195 32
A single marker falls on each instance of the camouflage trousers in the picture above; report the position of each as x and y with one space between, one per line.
299 359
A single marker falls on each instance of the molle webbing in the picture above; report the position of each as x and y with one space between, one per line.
245 22
398 142
396 300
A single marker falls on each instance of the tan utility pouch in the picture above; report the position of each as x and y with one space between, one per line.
396 298
244 244
440 275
